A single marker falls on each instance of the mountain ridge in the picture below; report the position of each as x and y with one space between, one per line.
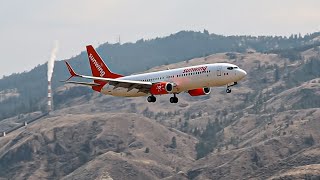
266 128
138 57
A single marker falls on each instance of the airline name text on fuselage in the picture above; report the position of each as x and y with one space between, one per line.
197 69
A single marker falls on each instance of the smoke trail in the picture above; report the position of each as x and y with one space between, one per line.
51 60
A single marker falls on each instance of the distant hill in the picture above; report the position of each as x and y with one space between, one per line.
136 57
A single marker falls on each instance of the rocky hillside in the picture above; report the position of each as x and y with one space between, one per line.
267 128
82 146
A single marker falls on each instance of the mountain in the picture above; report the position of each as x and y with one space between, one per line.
267 128
30 88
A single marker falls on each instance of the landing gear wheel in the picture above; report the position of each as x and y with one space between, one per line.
228 90
151 99
174 99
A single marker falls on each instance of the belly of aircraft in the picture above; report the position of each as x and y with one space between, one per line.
119 91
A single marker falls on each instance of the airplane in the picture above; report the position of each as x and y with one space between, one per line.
195 80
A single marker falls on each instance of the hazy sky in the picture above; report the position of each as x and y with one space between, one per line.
28 28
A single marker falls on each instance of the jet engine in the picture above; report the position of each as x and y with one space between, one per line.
200 91
161 88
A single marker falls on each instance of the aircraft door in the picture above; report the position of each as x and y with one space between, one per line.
219 71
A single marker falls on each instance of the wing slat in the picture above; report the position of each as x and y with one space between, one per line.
82 83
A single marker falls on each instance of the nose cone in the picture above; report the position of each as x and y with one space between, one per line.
242 73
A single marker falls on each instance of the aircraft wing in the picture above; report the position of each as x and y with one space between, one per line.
129 84
141 86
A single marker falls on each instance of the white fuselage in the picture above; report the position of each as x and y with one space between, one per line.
184 79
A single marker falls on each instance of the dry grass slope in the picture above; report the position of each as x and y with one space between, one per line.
87 146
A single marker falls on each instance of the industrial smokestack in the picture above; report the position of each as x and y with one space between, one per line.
49 97
50 72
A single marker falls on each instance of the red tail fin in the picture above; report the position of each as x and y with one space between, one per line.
98 67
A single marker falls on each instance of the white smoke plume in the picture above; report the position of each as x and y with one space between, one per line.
52 59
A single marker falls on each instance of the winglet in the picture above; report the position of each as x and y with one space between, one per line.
72 73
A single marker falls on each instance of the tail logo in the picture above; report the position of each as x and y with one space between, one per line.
98 66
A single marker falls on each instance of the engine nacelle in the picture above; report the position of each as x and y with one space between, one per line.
161 88
200 91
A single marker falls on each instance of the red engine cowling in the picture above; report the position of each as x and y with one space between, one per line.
200 91
161 88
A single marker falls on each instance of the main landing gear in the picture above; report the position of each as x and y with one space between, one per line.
228 90
151 98
174 99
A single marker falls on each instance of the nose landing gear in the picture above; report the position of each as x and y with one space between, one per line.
228 90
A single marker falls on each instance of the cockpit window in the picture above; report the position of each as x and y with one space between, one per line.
230 68
235 67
